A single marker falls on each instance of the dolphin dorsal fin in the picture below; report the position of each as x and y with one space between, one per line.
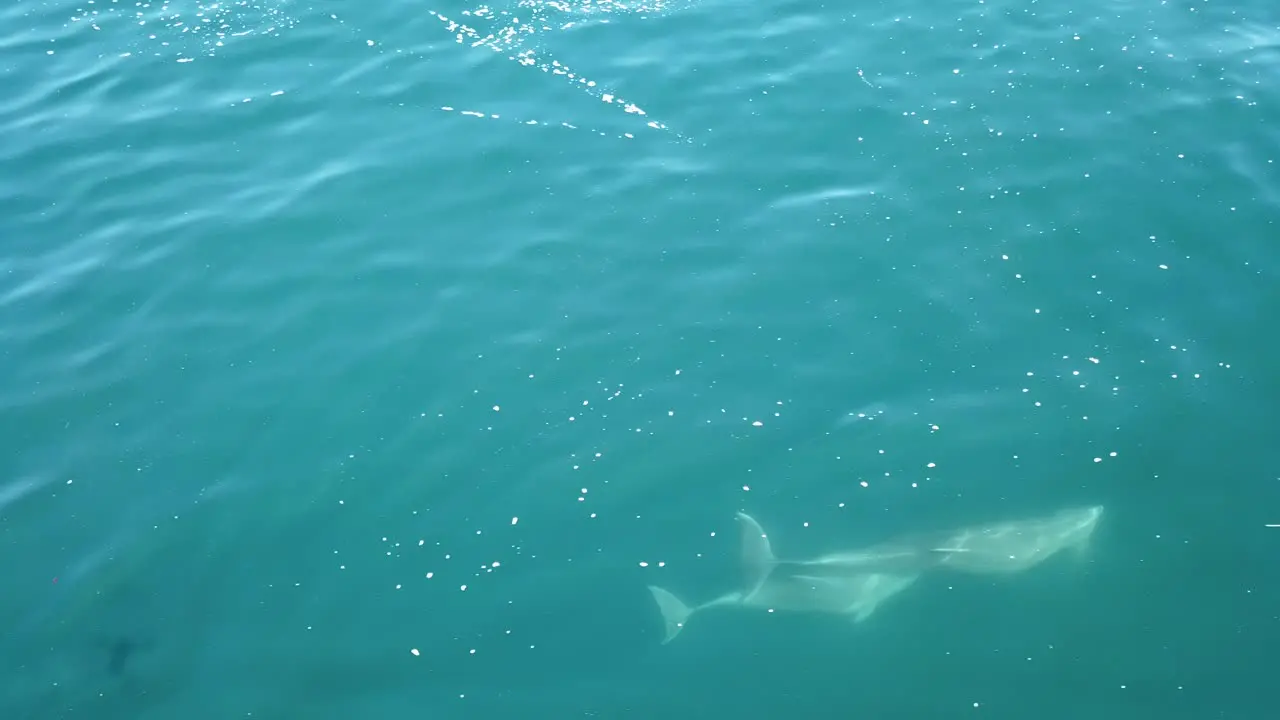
757 555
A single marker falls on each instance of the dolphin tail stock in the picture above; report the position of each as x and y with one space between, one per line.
758 559
674 612
757 562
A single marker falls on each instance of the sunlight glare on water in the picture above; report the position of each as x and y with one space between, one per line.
517 34
185 31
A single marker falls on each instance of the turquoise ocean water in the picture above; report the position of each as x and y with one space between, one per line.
367 360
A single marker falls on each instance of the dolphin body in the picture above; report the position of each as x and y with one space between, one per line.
1018 545
853 591
992 549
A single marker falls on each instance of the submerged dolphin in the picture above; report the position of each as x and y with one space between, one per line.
994 548
769 585
1010 547
904 556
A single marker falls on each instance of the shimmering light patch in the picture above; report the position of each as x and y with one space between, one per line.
183 30
516 32
540 123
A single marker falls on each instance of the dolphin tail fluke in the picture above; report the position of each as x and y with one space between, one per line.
674 613
757 554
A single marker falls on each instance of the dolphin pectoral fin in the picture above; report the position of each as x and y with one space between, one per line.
674 613
757 554
884 587
863 613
